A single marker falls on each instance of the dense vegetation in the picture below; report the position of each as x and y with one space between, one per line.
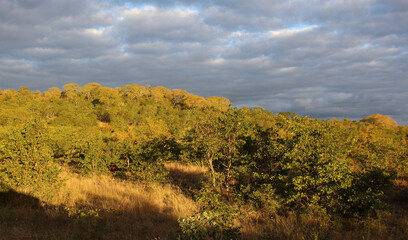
277 164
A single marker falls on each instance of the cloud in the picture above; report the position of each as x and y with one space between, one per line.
290 32
152 23
325 59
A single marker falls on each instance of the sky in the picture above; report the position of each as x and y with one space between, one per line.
324 59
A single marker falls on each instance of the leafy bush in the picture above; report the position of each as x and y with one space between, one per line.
26 158
89 153
147 160
315 174
148 171
314 167
363 198
214 220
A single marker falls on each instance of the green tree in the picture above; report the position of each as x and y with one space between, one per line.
219 141
134 91
219 102
214 220
90 155
52 93
314 166
26 158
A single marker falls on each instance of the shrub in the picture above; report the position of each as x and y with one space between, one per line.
314 167
26 158
148 171
315 174
363 198
214 220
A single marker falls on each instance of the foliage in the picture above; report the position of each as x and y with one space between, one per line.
90 154
214 220
219 140
381 120
145 171
26 158
363 197
314 166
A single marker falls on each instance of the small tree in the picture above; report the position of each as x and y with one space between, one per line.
314 172
214 220
219 140
89 153
314 167
26 158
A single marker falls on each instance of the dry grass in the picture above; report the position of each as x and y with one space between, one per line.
98 207
388 226
187 177
107 193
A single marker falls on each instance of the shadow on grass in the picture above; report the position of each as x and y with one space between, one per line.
24 217
397 198
10 199
18 210
189 181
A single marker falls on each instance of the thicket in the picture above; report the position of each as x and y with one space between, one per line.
276 163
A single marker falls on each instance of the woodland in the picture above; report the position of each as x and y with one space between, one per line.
142 162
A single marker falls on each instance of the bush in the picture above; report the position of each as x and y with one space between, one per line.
315 174
26 158
314 167
214 220
148 171
363 198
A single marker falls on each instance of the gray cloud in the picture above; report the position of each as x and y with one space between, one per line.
325 59
153 23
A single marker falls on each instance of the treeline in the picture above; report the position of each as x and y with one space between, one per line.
270 162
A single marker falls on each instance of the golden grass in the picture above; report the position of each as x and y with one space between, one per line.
388 226
187 177
107 193
187 168
99 207
187 172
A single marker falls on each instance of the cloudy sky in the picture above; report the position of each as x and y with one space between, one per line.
334 58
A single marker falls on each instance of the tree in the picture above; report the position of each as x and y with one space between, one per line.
90 153
2 96
193 101
179 96
219 140
10 94
133 91
380 120
24 91
108 96
26 158
314 167
219 102
71 90
160 94
52 93
90 90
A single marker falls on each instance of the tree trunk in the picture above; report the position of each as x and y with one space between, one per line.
210 162
227 182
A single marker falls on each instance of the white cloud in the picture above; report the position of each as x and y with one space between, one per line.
286 69
215 61
289 32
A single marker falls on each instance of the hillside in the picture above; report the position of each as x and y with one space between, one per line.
96 162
